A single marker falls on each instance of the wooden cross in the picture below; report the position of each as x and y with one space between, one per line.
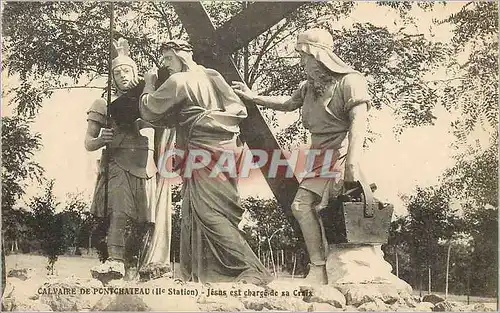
213 48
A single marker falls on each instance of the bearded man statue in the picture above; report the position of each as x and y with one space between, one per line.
334 101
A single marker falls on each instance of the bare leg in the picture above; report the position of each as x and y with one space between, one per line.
303 210
116 249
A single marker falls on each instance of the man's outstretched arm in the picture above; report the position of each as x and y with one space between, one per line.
278 103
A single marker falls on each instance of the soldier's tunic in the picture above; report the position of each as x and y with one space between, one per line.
327 118
127 179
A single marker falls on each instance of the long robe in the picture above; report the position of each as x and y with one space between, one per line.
206 113
160 204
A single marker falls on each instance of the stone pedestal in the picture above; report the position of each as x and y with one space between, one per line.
357 264
362 275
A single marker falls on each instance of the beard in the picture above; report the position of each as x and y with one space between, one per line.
320 79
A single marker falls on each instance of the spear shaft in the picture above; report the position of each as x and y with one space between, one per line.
110 72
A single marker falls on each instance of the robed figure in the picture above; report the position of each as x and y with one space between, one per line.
206 114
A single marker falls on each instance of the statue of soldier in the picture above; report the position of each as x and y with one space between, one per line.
131 165
334 101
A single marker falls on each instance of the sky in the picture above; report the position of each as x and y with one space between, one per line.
397 165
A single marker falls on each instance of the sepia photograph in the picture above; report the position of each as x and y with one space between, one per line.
228 156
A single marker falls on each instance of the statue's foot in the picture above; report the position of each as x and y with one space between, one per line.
109 270
130 274
155 270
317 275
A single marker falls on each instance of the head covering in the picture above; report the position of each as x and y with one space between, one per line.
183 50
319 43
232 107
122 50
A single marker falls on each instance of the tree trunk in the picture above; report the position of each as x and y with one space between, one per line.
421 284
468 286
277 262
4 274
258 249
397 261
430 284
90 242
447 271
173 267
272 256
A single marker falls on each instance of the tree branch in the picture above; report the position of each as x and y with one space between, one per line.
264 49
73 87
446 80
165 18
78 23
136 40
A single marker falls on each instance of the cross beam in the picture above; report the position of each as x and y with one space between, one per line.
213 49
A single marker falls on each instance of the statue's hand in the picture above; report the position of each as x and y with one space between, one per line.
151 76
242 90
105 136
351 173
134 82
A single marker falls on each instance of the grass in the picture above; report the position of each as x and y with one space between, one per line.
65 266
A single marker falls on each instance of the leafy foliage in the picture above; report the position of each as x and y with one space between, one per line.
476 20
270 230
76 218
482 224
60 43
472 183
475 180
175 243
16 230
476 32
395 63
430 219
18 148
47 226
404 7
418 236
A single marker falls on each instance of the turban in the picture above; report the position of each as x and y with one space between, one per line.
319 43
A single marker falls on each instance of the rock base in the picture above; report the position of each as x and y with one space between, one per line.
359 294
358 264
167 295
365 278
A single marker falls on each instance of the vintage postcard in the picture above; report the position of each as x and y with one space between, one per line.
249 156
